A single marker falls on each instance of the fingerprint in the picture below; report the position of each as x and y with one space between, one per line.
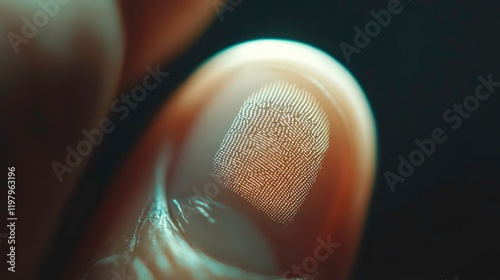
274 149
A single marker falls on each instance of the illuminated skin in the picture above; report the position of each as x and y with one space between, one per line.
274 149
110 54
177 152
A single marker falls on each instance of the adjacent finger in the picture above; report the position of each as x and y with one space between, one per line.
61 62
159 30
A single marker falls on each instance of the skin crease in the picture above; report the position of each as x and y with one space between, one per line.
109 55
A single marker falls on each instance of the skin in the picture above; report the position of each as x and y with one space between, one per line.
91 61
40 118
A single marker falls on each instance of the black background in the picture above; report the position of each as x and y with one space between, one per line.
442 222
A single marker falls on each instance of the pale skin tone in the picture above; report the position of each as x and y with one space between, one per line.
42 114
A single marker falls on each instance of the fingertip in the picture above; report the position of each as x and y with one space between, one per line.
208 115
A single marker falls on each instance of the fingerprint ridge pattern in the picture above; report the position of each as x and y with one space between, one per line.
274 149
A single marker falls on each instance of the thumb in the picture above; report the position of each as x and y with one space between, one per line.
267 159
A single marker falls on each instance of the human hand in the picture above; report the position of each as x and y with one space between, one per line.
178 152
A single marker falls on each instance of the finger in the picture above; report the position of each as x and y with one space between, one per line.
62 62
277 133
158 30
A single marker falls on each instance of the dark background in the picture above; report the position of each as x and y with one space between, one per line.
442 222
